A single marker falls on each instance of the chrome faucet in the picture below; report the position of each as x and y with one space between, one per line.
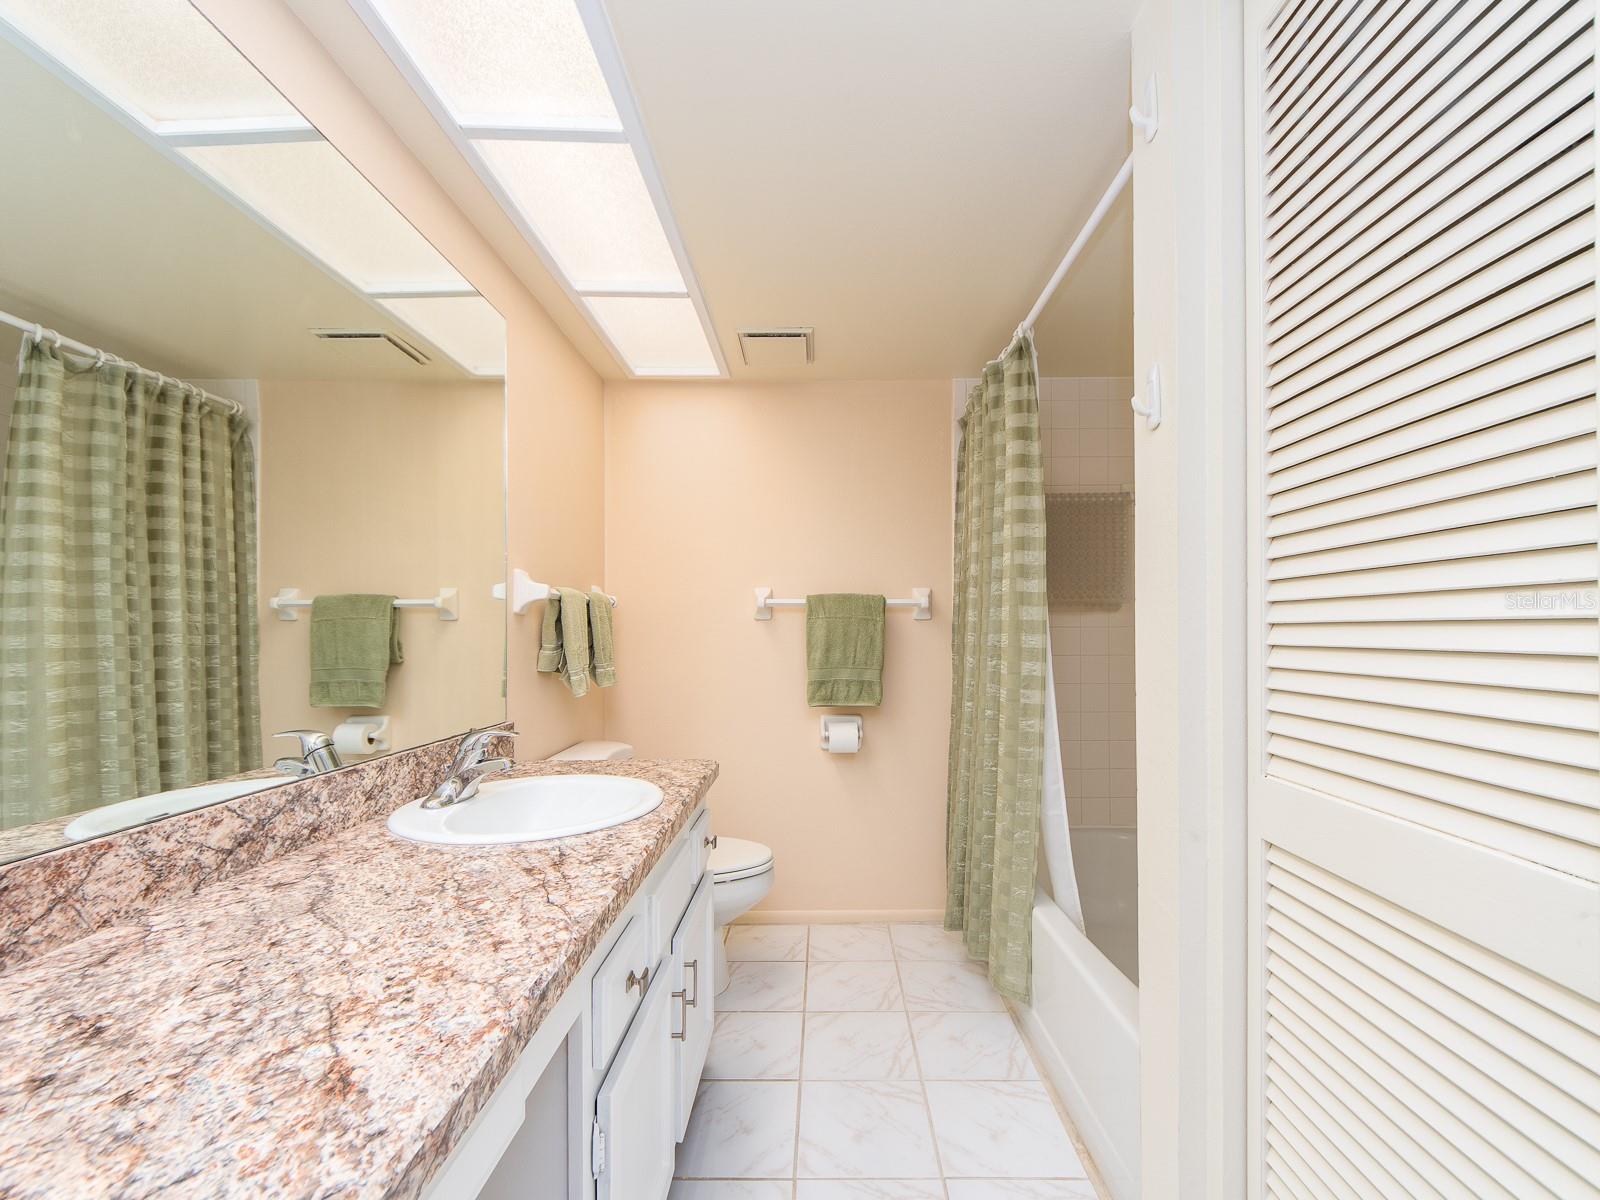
469 769
317 754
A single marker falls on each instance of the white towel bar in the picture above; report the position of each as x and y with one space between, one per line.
921 600
525 591
447 604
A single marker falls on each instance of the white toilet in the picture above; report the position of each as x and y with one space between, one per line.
741 870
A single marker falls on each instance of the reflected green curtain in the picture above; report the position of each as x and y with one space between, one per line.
1001 615
128 639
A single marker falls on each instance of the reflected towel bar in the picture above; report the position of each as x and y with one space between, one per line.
921 601
447 604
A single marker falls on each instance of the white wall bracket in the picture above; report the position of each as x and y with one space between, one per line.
1148 120
1150 408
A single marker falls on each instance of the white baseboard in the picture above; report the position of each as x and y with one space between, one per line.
840 916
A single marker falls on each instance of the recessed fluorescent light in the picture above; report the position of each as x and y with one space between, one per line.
316 198
504 61
656 337
465 328
589 206
158 60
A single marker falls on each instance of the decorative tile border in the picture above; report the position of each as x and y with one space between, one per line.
58 897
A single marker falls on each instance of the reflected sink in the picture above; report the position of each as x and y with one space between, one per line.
127 813
529 810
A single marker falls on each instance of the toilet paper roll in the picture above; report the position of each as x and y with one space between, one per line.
842 735
362 735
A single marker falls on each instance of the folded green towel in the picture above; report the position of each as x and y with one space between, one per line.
574 640
605 665
844 651
550 636
354 639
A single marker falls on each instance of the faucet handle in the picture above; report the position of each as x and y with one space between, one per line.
473 745
310 739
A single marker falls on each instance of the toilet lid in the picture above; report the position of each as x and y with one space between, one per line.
735 858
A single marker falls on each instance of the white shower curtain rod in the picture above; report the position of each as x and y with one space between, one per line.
1124 173
50 335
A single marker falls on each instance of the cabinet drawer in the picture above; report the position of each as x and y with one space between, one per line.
619 986
679 875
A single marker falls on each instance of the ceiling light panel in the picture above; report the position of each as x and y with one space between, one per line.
309 192
656 336
158 60
510 62
588 204
465 328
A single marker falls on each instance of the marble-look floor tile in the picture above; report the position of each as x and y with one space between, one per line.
852 987
949 987
858 1045
970 1045
865 1131
1000 1130
927 942
731 1189
764 987
766 943
869 1189
740 1131
840 943
755 1045
1021 1189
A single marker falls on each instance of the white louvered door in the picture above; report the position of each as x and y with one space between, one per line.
1424 803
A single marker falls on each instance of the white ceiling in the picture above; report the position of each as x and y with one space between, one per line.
113 243
901 175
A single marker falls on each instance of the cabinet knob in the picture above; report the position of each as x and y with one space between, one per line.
642 982
712 841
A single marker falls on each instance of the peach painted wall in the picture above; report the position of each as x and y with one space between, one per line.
553 397
331 521
714 489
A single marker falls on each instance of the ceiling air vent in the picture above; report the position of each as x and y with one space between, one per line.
776 347
371 335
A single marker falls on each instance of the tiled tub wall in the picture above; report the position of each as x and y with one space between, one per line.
1088 442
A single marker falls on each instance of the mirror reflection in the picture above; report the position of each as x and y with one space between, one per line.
252 427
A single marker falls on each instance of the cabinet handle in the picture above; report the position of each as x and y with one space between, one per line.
693 965
712 841
683 1011
642 982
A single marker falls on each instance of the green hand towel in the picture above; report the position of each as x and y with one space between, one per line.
844 651
550 636
574 640
605 666
354 639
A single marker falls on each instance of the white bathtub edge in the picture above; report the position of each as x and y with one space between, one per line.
1095 1073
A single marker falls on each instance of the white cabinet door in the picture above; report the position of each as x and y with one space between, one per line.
694 996
634 1140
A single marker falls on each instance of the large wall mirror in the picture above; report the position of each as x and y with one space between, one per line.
243 403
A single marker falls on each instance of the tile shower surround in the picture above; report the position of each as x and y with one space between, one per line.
55 898
1087 430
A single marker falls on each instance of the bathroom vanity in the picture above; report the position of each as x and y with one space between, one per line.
368 1017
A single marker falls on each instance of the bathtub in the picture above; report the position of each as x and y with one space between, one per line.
1084 1020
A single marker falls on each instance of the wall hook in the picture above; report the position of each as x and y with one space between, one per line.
1147 122
1150 410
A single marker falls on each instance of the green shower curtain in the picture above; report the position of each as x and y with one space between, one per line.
128 639
1001 617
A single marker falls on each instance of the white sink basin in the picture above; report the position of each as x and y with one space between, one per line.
127 813
529 810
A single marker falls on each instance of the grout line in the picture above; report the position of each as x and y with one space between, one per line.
916 1057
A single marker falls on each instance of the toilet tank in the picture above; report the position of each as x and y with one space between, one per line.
594 752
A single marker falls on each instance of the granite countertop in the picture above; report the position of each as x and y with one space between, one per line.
326 1024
